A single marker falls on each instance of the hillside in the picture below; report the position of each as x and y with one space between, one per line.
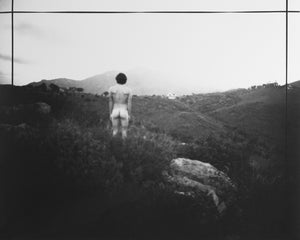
258 112
255 111
175 118
65 175
295 84
95 85
156 113
61 82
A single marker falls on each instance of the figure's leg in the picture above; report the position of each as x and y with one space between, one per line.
124 123
124 128
115 126
115 122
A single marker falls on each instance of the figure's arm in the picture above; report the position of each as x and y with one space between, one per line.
129 103
111 103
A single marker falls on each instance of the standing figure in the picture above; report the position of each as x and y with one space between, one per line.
120 98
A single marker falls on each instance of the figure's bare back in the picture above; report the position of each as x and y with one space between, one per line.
120 95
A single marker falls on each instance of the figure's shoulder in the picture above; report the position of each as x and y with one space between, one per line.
112 89
124 89
120 88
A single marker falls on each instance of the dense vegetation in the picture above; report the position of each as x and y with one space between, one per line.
74 177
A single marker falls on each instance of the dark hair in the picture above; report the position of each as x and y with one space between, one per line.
121 78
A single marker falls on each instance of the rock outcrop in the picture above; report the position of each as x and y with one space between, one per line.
194 178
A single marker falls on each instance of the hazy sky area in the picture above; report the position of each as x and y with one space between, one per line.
148 4
209 52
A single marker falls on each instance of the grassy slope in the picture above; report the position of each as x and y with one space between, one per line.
155 113
174 117
258 112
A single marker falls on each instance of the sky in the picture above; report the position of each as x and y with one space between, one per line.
211 52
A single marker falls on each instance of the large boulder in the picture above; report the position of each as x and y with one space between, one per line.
194 178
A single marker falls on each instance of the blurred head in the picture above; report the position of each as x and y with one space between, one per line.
121 78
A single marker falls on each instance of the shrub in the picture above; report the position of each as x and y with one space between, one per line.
91 157
144 155
79 157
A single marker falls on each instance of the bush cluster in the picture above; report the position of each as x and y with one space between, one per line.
91 156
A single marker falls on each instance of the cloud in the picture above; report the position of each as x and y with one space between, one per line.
5 5
16 60
28 29
4 78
